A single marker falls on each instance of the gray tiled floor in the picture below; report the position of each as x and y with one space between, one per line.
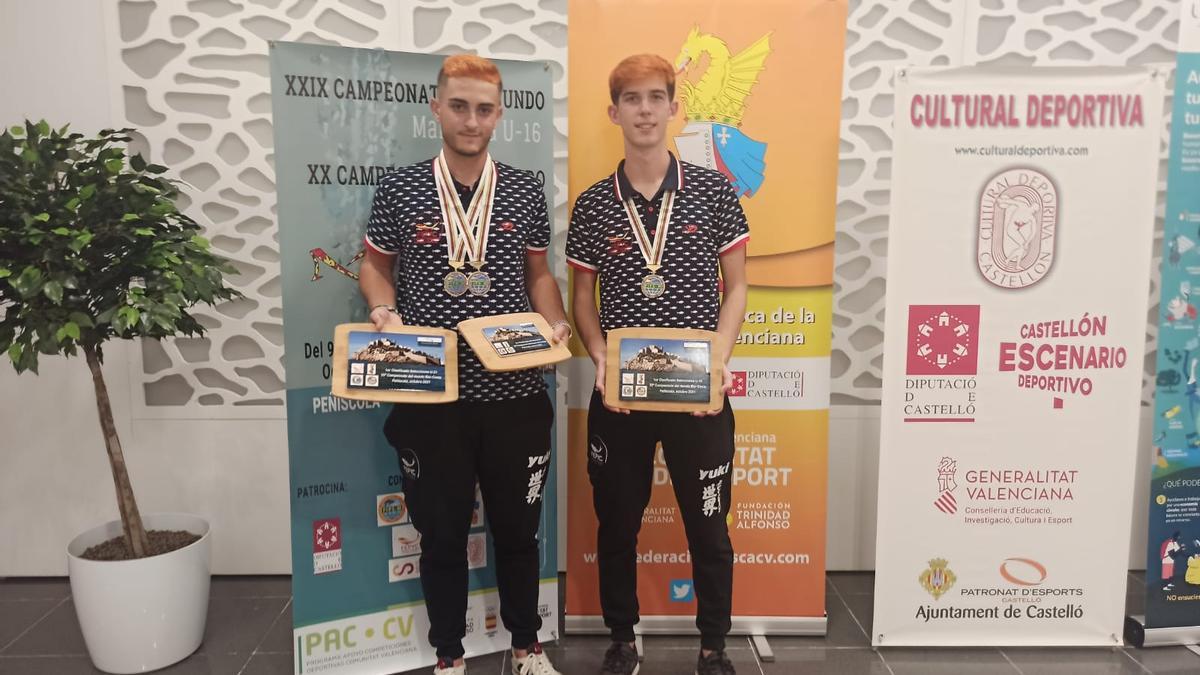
249 633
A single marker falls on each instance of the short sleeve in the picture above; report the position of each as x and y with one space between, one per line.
731 229
383 231
582 251
537 236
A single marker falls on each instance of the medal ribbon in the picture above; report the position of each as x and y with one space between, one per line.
466 232
652 251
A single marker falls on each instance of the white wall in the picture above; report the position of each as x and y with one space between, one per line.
54 480
54 476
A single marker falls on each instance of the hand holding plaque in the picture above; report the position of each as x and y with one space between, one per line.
513 341
663 370
408 364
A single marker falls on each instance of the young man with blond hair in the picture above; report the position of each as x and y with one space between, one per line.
660 235
457 237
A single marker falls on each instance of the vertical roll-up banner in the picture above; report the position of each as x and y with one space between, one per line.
343 118
1018 280
760 101
1173 536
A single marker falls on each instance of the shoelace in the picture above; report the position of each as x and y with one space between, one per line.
538 664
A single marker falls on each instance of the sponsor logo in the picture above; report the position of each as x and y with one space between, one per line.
320 257
707 474
476 551
536 479
619 245
410 464
682 590
941 363
1025 585
713 137
404 569
390 509
710 497
943 340
1050 357
327 535
1024 572
658 515
946 503
937 578
405 541
739 383
1022 598
597 451
327 545
1018 214
427 234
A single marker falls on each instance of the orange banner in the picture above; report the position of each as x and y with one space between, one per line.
760 100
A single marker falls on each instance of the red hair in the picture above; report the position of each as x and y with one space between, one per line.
640 67
471 67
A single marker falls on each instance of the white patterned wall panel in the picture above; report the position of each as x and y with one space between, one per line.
881 35
193 78
192 75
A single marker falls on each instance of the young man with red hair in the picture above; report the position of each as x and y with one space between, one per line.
463 237
659 235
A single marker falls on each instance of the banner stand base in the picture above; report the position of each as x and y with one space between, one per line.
1138 635
754 626
763 648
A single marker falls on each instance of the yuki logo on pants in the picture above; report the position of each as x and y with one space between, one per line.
710 494
537 477
709 474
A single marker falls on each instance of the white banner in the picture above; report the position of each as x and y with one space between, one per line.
1018 276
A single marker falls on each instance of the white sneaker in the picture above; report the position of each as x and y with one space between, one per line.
535 662
448 668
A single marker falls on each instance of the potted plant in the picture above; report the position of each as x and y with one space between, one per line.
92 247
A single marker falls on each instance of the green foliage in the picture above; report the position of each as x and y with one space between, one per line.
92 246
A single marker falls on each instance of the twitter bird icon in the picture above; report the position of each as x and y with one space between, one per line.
682 590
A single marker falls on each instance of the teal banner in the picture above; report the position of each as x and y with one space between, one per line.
1173 562
343 118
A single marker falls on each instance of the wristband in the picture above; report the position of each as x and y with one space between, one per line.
389 308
